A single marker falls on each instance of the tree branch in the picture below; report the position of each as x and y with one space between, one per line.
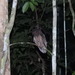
73 16
6 49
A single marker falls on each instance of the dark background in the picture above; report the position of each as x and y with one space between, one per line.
24 57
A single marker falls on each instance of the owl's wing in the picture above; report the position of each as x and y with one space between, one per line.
44 40
40 43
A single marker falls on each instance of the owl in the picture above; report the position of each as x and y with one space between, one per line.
39 39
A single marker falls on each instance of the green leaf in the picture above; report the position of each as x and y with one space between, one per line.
40 1
32 6
73 73
34 2
25 7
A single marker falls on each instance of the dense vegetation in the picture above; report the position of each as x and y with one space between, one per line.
25 59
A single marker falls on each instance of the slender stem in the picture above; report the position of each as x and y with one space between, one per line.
22 43
42 13
43 63
65 39
36 17
73 16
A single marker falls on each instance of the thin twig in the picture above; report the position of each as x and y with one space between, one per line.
36 17
65 38
43 63
73 15
30 43
22 43
42 13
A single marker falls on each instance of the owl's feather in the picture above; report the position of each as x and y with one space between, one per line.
40 40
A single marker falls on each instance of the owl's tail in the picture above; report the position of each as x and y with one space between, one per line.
43 49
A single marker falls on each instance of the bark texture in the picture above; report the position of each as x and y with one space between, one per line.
3 22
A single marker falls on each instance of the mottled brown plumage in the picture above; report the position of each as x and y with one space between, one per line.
39 39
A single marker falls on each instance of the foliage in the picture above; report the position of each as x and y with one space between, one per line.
24 59
29 4
73 73
25 7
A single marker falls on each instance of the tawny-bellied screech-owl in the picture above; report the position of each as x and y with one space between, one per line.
39 39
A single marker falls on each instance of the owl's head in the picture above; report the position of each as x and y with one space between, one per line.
37 30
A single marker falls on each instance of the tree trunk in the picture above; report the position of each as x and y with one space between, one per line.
54 37
3 24
5 58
